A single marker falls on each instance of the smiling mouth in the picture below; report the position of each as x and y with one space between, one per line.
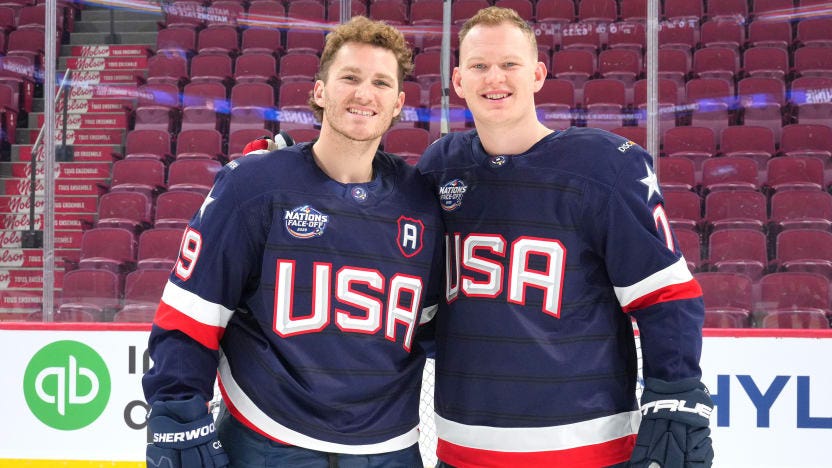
362 113
496 96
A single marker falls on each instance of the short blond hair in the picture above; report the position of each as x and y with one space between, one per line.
362 30
495 16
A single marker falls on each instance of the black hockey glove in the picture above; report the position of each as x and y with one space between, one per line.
674 429
184 436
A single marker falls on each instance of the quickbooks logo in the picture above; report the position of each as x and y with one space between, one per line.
67 385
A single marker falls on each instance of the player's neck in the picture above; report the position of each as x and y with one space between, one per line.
501 139
344 160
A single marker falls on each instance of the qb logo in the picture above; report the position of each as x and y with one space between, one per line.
66 385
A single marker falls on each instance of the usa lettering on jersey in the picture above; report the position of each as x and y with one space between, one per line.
468 253
404 295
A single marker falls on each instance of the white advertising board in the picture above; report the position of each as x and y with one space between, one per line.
72 394
772 396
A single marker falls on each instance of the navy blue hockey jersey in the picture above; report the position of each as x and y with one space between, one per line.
550 255
304 295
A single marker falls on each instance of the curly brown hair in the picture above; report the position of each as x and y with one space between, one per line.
494 16
362 30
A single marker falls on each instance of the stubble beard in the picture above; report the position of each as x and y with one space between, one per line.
339 129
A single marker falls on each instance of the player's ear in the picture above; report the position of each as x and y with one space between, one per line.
456 81
318 93
399 104
539 75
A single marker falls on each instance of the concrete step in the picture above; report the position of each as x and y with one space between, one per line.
16 304
81 182
125 91
63 170
103 14
62 187
97 38
14 240
63 203
89 120
87 79
13 255
26 278
89 105
70 222
102 63
115 50
75 137
85 153
19 257
98 50
120 26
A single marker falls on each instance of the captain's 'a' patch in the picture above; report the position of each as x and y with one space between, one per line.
410 236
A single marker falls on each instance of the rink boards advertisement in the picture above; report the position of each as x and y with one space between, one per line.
72 396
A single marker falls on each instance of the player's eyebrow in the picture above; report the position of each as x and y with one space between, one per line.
360 71
480 58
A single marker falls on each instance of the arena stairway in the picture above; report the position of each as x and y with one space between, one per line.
104 83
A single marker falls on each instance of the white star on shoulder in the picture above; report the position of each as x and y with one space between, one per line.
652 183
208 201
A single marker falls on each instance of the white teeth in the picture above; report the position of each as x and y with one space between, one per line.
496 96
361 113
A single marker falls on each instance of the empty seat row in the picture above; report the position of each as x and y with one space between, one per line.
155 145
700 143
133 210
151 177
97 292
747 251
558 26
119 250
228 40
739 172
422 12
191 14
181 13
603 101
101 295
204 106
695 144
195 143
777 300
789 209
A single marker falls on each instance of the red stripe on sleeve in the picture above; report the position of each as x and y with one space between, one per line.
673 292
171 319
604 454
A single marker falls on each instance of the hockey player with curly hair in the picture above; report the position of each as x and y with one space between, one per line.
301 284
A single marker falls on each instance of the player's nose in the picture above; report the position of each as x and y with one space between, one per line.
495 75
363 92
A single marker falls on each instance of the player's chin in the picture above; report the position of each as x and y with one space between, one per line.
492 111
365 134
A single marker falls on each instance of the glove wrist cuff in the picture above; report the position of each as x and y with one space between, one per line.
172 434
690 403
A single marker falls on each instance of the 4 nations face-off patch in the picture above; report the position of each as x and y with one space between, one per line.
305 222
451 193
